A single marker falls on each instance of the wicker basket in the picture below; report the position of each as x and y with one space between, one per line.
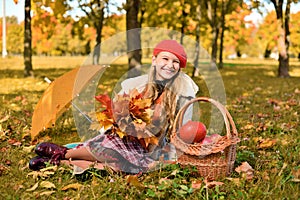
213 160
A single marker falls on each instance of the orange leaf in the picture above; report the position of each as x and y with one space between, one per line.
196 184
246 170
133 180
14 142
266 143
296 173
151 140
212 184
106 103
244 167
142 103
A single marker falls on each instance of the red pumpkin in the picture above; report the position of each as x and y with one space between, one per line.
192 132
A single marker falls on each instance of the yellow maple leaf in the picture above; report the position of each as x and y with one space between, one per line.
101 116
142 103
120 133
103 120
266 143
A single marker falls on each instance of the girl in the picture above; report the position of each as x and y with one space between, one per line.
167 87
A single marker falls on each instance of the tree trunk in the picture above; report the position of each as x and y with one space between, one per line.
183 22
197 46
197 52
98 25
214 50
283 69
222 35
94 10
28 71
213 21
133 37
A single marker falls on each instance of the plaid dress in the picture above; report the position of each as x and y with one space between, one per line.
126 155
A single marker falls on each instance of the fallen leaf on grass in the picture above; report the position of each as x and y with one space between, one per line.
212 184
4 119
292 102
174 172
165 181
244 167
196 184
47 184
2 169
248 127
296 180
29 148
184 187
133 180
18 185
274 102
54 168
296 175
246 170
47 193
40 174
33 187
26 133
47 173
14 142
4 149
7 162
266 143
74 186
95 181
35 174
284 142
265 176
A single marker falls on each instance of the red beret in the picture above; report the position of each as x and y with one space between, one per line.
173 47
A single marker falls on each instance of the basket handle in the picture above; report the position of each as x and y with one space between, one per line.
226 116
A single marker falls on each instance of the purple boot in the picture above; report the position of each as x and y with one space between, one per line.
38 163
53 151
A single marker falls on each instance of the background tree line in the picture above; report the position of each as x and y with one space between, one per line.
220 26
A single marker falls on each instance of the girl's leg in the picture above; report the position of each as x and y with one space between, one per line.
80 154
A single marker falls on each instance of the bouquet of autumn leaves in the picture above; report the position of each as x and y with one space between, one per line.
128 116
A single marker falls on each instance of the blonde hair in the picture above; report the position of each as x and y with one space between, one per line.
169 99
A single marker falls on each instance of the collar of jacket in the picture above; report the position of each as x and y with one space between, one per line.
187 88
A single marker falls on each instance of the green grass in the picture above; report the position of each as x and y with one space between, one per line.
264 107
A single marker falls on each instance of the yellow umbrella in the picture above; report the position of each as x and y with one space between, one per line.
58 96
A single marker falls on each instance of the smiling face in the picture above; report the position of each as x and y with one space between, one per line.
167 65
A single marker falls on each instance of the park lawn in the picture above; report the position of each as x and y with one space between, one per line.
266 110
